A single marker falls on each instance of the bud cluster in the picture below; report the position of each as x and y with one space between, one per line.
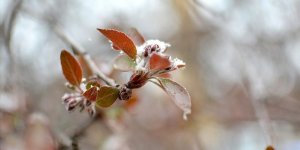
74 100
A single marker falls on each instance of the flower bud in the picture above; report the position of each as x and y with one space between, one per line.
125 92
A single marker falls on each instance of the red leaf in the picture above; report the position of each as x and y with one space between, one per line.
179 95
115 47
158 62
91 94
71 68
121 41
136 36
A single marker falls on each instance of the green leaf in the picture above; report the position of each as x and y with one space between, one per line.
71 68
92 83
179 94
120 41
124 63
107 96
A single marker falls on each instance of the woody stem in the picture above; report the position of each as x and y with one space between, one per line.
80 51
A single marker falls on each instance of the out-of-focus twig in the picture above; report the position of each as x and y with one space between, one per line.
8 27
81 130
262 116
78 50
263 119
75 135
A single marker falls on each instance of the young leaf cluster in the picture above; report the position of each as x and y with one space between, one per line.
146 60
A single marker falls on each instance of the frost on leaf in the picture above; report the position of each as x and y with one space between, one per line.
120 41
179 95
107 96
124 63
177 63
71 68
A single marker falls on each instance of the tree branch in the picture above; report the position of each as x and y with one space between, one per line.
263 117
78 50
8 27
81 130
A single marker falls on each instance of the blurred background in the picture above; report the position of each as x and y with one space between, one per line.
243 65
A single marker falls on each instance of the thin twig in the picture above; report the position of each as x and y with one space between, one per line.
262 116
78 50
9 26
79 132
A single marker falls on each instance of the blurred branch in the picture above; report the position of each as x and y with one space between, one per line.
263 117
199 4
8 27
79 132
78 50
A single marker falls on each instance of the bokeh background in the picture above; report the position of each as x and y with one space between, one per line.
243 65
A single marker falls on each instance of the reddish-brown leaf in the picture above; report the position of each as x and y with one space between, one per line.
71 68
120 41
115 47
91 94
136 36
107 96
158 62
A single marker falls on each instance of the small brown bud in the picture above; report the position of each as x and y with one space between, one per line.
125 93
137 80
